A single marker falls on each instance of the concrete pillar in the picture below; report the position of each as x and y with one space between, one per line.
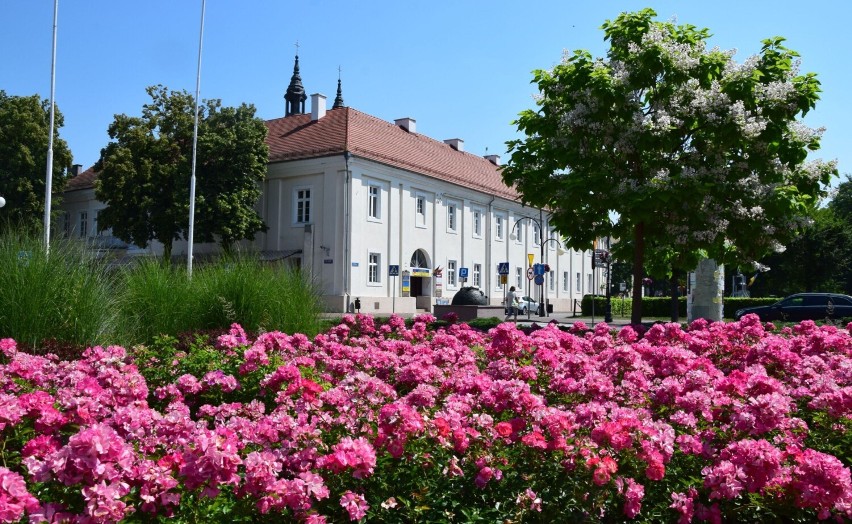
308 251
705 298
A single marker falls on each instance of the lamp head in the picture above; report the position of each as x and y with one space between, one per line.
2 201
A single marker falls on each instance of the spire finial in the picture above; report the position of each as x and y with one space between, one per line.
338 100
295 96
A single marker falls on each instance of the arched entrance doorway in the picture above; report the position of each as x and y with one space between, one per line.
421 275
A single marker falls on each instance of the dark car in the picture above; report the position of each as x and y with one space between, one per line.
803 306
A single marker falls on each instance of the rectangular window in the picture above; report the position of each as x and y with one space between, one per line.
519 232
552 276
451 273
420 207
578 288
519 277
498 228
374 208
67 225
373 265
536 234
591 277
565 281
451 218
477 223
477 275
552 236
302 206
84 223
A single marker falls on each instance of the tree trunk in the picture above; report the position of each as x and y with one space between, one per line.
674 292
167 253
638 272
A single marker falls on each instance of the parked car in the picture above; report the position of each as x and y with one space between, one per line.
527 304
803 306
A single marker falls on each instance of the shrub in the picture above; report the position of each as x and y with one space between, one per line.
161 299
736 422
65 295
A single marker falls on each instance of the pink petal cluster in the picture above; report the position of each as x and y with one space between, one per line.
302 427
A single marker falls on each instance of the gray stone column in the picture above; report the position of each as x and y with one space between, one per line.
308 251
705 298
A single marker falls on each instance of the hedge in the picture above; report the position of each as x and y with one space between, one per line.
661 306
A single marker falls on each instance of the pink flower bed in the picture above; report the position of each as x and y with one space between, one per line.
721 422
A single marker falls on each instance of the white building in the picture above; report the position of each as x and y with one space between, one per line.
347 195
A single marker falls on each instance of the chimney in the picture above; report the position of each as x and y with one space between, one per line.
455 143
494 159
76 169
409 124
317 106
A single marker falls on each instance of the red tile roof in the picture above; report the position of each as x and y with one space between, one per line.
345 129
85 180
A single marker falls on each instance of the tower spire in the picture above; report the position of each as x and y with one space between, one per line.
295 97
338 100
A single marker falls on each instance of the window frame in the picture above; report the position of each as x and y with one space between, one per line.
374 202
519 276
452 273
477 223
374 269
420 210
499 228
303 216
84 223
477 275
452 217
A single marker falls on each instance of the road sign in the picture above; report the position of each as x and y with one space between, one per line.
503 268
539 279
530 258
530 273
393 270
463 273
538 269
504 279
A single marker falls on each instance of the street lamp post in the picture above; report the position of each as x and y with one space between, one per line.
542 311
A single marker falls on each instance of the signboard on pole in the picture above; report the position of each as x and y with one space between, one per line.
530 258
463 273
503 268
393 270
530 273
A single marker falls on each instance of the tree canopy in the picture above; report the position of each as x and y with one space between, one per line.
24 137
144 172
672 148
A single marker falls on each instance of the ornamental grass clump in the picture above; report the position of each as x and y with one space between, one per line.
66 295
401 423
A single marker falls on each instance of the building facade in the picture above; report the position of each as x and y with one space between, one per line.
348 195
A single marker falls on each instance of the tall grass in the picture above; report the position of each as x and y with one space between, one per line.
162 300
66 295
156 300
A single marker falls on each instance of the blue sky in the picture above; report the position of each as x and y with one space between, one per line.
462 69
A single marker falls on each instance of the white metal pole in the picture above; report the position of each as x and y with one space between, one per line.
48 187
190 238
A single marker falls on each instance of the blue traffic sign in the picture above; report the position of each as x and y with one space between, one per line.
538 269
393 270
462 272
539 279
503 268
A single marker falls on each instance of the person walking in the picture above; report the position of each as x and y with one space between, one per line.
511 307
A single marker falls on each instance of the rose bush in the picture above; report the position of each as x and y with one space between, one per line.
401 423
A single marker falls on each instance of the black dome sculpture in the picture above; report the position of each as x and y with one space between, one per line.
470 296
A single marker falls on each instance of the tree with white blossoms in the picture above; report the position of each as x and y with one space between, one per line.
675 149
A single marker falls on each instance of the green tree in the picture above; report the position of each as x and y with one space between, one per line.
672 148
144 172
24 137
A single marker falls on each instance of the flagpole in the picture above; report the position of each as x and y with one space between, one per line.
194 149
48 187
